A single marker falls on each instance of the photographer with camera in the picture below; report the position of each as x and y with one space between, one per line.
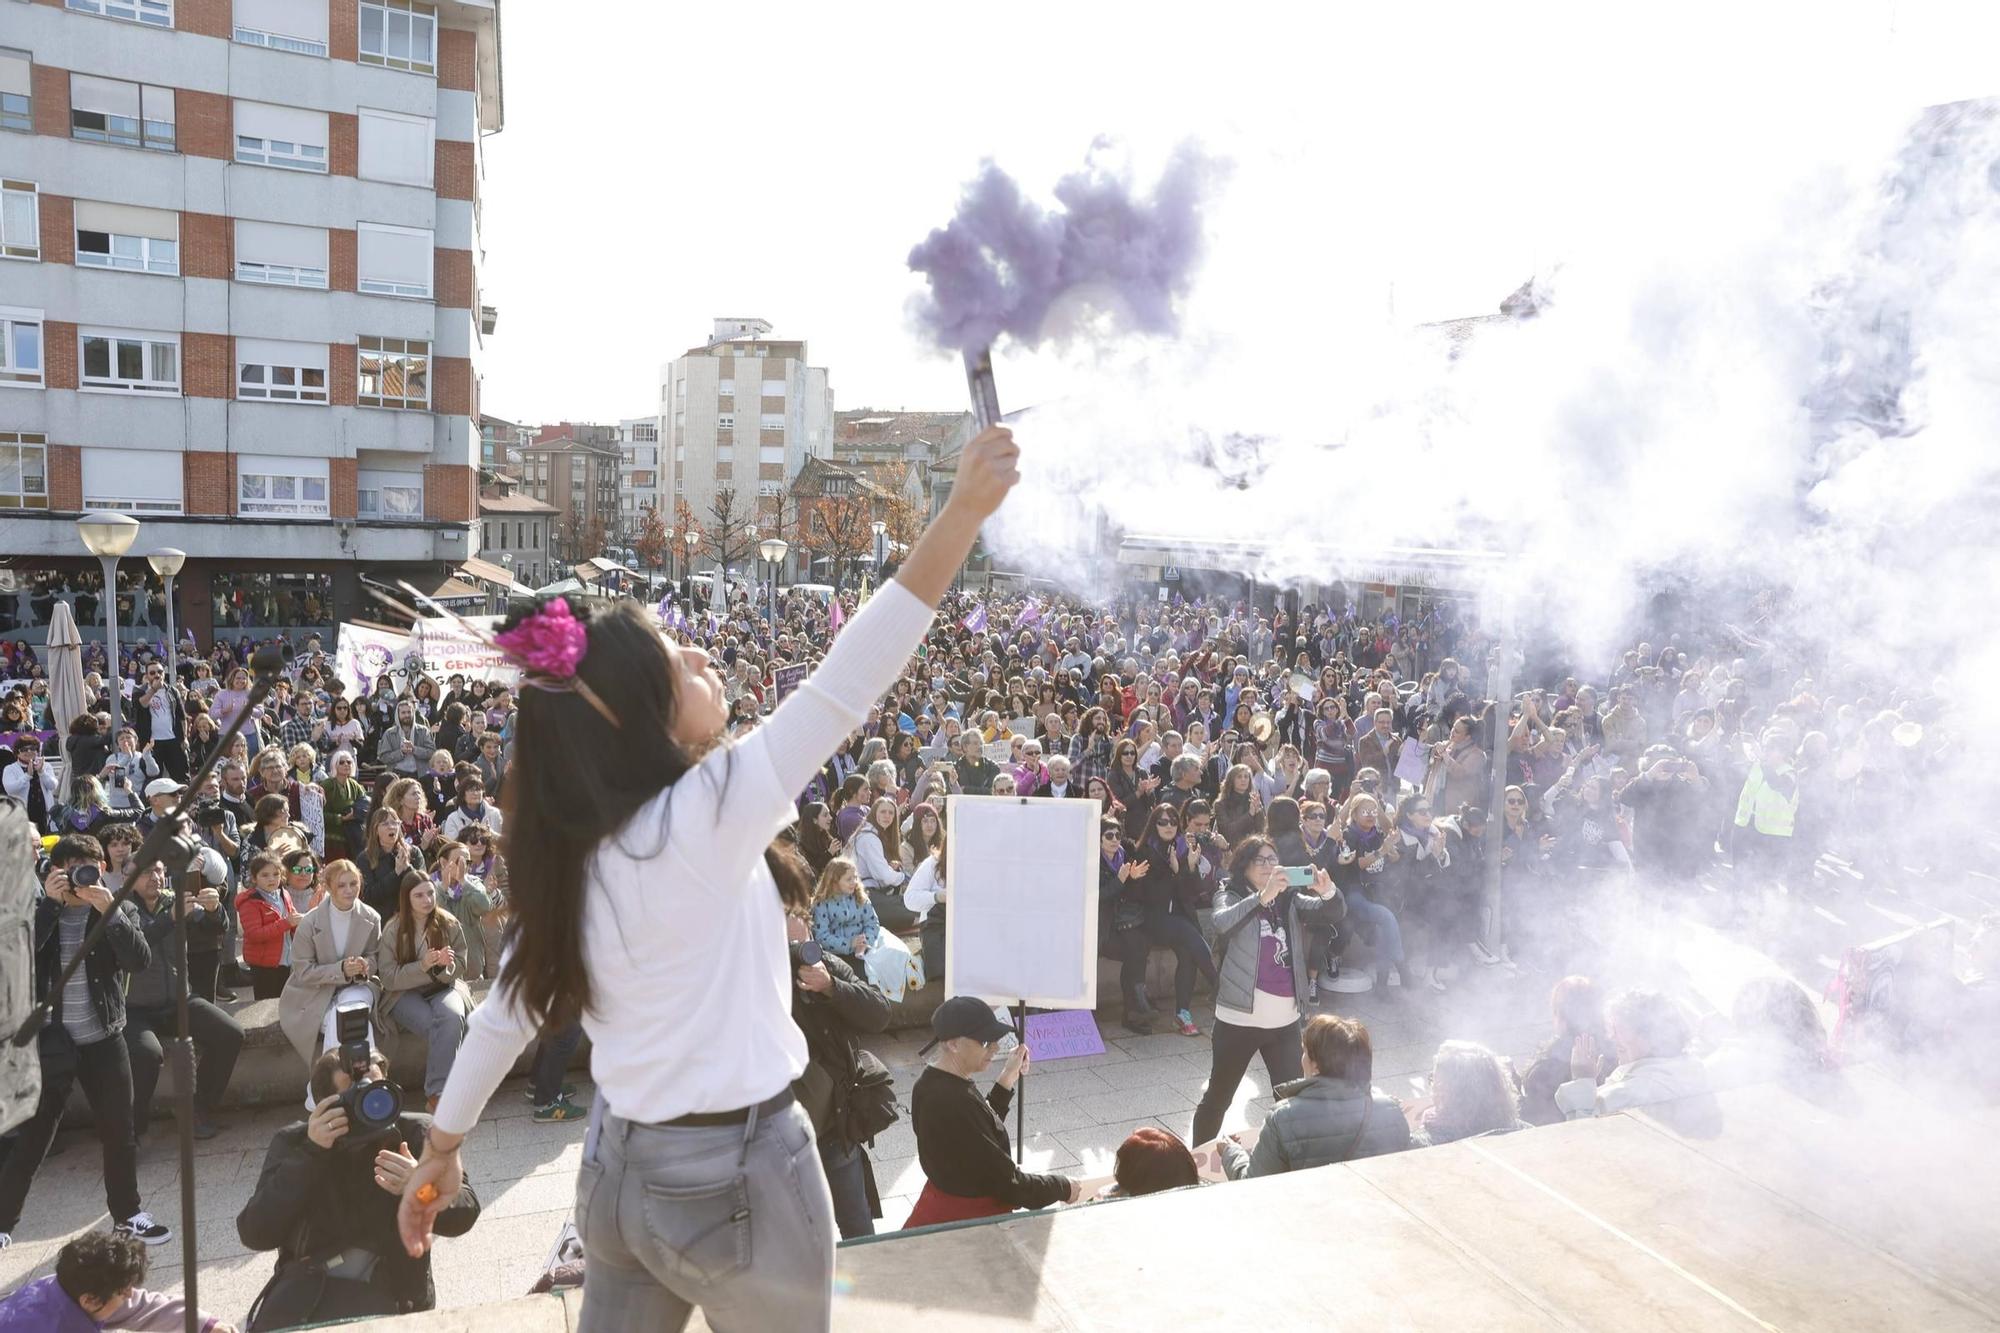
326 1198
150 1018
845 1091
30 781
81 1044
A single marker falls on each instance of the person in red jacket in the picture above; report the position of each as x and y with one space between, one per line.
268 916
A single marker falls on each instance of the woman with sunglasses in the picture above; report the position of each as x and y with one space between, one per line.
1171 881
1132 788
1260 922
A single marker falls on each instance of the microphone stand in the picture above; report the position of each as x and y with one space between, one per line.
172 844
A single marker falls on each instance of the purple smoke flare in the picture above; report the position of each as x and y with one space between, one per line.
1004 261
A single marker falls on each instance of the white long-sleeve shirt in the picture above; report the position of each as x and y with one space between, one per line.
872 861
683 931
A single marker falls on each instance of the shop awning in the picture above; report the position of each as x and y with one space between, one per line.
481 571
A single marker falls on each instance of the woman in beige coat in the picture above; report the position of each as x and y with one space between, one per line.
333 951
421 962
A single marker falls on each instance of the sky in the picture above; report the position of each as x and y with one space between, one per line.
676 163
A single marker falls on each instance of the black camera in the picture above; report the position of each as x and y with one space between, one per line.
82 876
208 814
372 1105
805 953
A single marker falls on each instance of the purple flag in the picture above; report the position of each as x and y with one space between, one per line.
1031 614
977 620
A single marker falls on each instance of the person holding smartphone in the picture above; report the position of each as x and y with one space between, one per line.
1260 921
82 1043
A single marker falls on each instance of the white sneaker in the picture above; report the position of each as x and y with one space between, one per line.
1483 954
1347 982
5 1240
142 1227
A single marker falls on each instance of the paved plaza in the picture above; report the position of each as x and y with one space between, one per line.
1078 1110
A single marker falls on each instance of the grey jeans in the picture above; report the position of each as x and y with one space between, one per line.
735 1219
441 1020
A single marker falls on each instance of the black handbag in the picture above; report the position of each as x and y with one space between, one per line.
871 1100
313 1291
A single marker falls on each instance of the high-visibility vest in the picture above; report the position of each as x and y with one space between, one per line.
1766 808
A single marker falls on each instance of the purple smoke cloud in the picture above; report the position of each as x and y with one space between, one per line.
1004 261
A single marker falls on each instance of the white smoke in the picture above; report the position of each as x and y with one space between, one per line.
1699 396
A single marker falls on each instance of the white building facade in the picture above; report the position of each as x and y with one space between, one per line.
743 411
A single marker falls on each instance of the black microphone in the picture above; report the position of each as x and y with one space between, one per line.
267 661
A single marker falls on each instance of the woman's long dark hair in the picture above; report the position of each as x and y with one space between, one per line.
815 843
576 779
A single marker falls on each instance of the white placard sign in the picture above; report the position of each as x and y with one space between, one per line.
448 650
362 654
1023 921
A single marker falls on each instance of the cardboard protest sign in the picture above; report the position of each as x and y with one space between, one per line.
786 678
1064 1035
1023 921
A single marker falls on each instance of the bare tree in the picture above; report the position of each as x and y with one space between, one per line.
730 535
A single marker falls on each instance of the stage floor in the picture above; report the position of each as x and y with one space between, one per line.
1869 1210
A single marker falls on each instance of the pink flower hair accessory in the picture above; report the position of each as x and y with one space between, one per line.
549 642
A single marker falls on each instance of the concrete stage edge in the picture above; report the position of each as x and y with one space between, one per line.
1865 1208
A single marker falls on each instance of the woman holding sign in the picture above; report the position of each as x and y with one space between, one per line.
649 891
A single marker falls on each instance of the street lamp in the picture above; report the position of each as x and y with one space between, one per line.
881 531
669 553
108 536
167 562
690 539
773 550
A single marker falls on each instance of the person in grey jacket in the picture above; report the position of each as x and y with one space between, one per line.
1259 922
1334 1114
151 1017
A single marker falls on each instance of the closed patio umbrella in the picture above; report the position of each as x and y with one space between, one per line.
65 667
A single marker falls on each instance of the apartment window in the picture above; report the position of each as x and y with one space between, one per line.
395 372
141 481
393 261
725 453
137 240
399 34
20 220
725 388
772 421
17 91
20 346
395 497
131 362
159 13
770 453
114 111
396 148
281 136
24 470
283 25
538 536
281 372
281 255
271 487
725 421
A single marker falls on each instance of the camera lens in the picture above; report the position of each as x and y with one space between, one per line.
379 1104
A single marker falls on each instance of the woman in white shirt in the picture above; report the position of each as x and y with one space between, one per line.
649 900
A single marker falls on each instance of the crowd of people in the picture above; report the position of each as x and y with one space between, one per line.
1293 801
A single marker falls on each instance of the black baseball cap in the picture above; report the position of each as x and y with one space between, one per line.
965 1016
